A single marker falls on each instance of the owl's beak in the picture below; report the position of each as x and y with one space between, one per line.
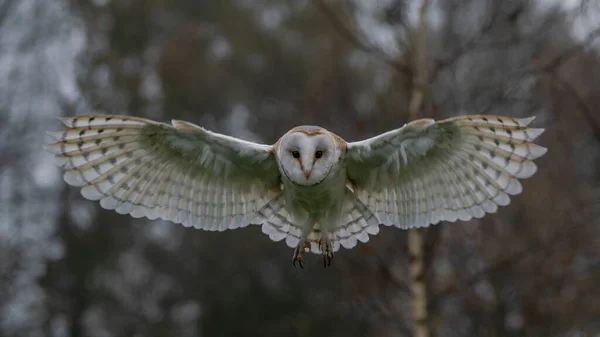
307 173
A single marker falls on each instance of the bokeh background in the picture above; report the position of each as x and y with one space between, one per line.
254 69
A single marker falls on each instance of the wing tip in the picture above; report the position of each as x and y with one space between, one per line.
52 137
534 133
66 121
51 148
73 178
538 151
526 121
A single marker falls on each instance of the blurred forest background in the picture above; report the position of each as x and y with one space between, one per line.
254 69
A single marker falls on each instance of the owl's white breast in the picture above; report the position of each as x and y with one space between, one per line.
316 200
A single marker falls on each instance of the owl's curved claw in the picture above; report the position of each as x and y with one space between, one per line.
327 249
299 255
299 260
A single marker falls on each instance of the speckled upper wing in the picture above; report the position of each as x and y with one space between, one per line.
454 169
180 172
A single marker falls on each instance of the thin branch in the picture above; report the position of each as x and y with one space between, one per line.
474 45
468 46
547 68
587 112
563 57
347 34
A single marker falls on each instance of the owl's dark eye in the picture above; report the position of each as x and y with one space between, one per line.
318 154
295 154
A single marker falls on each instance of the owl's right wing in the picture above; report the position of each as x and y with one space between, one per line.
453 169
182 173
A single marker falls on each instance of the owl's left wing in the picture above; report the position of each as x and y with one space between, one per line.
449 170
180 172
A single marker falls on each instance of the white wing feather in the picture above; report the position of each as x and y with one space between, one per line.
182 173
454 169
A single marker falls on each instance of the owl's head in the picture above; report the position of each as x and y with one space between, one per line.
308 154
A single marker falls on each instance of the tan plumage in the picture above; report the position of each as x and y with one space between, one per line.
311 187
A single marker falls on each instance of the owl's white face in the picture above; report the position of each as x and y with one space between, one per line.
307 158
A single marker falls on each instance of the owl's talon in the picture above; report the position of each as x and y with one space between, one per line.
327 249
299 255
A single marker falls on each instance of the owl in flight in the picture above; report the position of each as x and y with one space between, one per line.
311 188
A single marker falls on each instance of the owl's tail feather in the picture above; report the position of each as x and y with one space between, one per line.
277 223
356 224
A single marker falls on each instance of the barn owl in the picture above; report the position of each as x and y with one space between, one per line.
311 188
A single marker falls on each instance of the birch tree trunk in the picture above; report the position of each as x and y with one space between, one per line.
416 236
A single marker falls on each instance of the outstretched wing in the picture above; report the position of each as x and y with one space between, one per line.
454 169
182 173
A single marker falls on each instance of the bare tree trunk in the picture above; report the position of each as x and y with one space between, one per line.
415 236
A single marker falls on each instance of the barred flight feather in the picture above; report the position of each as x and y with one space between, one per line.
180 173
455 169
